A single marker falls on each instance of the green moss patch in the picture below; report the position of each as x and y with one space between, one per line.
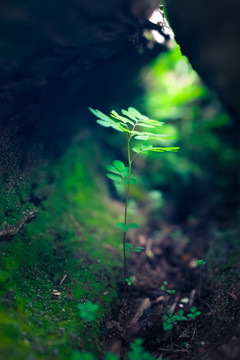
66 255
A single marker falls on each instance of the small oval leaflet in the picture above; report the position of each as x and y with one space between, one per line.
141 137
128 246
122 226
99 114
103 123
113 169
134 112
113 177
133 226
119 165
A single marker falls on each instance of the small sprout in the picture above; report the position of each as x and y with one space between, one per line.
134 124
170 319
130 280
171 291
165 288
88 311
201 262
194 313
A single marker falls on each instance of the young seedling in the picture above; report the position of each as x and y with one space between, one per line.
193 313
130 280
164 287
170 319
133 124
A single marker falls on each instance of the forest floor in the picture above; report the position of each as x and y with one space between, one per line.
180 309
70 253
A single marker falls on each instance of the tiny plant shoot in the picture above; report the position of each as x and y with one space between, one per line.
134 126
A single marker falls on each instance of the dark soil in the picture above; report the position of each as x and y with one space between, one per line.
171 255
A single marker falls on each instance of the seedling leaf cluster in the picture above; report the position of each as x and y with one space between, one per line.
135 126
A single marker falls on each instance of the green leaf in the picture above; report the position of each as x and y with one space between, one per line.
116 127
193 309
162 149
134 112
113 177
133 226
136 250
153 135
140 247
145 125
141 137
119 165
122 226
99 114
152 122
127 113
103 123
121 118
113 169
125 172
136 150
128 246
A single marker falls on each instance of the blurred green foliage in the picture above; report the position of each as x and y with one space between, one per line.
207 163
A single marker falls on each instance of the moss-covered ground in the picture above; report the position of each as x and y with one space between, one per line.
68 253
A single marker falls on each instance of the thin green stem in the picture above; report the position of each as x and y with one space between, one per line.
126 206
